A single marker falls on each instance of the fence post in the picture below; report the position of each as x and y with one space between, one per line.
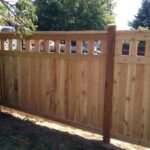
111 33
0 78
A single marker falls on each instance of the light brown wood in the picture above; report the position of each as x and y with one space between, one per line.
47 47
19 45
71 87
2 44
37 46
91 47
68 46
133 89
28 46
147 49
103 47
136 35
109 82
68 35
146 103
57 46
10 44
137 103
118 51
132 59
115 98
79 47
133 47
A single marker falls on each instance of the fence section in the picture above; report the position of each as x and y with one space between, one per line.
60 75
67 76
131 98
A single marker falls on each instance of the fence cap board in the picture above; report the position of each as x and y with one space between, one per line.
133 34
57 35
133 31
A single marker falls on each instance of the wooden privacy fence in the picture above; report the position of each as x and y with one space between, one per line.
95 80
131 94
51 74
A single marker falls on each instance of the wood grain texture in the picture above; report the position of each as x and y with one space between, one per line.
0 86
56 86
131 85
73 87
109 82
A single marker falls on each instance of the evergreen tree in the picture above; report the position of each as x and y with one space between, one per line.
74 14
142 19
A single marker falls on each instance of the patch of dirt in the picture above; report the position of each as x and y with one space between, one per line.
17 134
27 132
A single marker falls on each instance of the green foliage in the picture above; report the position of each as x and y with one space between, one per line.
26 16
74 14
23 14
142 19
3 10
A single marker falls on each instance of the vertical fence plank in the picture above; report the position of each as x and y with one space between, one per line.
68 46
91 47
1 77
37 46
28 45
133 50
47 46
19 45
118 51
1 73
109 82
79 47
2 44
147 50
57 46
10 44
103 47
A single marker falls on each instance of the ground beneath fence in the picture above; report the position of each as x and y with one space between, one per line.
17 134
22 134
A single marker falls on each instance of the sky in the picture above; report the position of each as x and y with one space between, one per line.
125 11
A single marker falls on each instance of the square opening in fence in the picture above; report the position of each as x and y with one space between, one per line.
62 46
97 47
125 47
6 45
73 47
42 45
23 45
32 45
85 47
141 48
52 46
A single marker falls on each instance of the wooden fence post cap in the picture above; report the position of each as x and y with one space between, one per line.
111 25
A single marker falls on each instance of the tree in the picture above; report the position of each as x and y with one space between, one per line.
22 14
3 10
142 19
74 15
